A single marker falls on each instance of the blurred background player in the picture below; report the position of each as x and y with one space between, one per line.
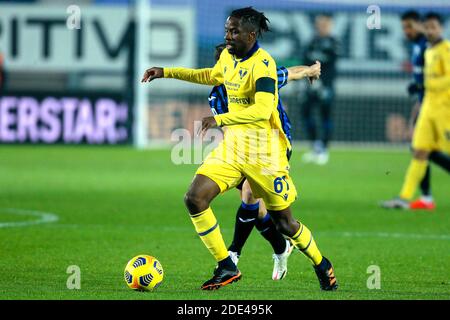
413 31
432 131
325 48
252 212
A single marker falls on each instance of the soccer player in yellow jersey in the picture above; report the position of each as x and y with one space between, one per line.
432 131
252 212
254 146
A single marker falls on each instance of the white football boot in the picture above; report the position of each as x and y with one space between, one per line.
395 203
322 158
280 262
309 157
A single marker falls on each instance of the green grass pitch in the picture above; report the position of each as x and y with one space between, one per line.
114 203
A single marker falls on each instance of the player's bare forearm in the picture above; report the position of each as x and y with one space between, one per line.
299 72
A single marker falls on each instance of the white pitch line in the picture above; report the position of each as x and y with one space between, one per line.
387 235
337 234
43 217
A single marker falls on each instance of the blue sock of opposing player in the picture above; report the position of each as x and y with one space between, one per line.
268 230
245 221
425 185
441 159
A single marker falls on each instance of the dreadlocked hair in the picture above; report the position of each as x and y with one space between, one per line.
255 19
218 50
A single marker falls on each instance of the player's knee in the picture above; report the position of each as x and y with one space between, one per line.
285 226
247 196
195 202
421 154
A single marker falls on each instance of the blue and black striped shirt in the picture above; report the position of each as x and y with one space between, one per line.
418 62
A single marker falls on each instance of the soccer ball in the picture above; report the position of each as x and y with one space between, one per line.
143 273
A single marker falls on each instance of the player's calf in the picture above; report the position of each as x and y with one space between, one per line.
284 222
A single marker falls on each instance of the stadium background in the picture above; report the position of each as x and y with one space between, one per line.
99 66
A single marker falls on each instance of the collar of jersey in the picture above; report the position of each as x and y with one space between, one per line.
249 54
439 42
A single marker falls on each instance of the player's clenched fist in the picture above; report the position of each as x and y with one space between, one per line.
153 73
207 122
314 72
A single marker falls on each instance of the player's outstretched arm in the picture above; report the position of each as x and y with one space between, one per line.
260 110
299 72
199 76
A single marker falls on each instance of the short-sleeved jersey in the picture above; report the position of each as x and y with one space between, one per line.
437 77
240 78
418 61
218 101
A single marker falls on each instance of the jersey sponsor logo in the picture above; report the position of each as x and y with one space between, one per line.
239 100
211 98
266 62
233 85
